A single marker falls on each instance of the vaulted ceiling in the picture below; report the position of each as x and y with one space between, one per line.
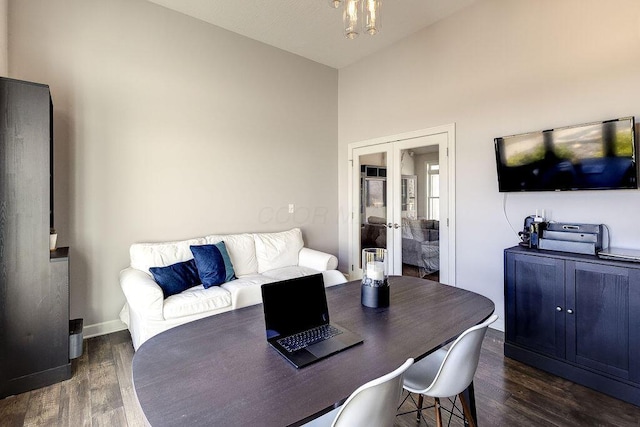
310 28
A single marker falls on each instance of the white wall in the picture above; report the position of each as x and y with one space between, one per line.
169 128
498 68
4 38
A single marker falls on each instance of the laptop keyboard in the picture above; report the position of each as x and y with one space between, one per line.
306 338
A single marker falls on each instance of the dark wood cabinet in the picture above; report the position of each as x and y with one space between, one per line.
576 316
603 330
537 286
34 283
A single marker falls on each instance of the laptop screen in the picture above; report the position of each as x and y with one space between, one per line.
294 305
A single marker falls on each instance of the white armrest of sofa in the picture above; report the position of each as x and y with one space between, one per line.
143 293
317 260
333 277
323 262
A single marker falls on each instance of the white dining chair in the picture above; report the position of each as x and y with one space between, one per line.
447 373
373 404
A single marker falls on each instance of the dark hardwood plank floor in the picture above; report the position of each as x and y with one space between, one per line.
413 271
508 393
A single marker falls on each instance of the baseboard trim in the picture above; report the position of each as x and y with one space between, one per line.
103 328
499 324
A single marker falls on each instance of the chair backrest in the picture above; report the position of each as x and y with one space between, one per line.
375 403
460 363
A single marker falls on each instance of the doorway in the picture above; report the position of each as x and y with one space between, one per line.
402 199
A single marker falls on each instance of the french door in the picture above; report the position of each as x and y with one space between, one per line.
397 182
372 208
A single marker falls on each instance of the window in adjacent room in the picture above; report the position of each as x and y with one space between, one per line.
433 190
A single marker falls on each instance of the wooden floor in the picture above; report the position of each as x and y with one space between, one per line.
508 393
413 271
100 392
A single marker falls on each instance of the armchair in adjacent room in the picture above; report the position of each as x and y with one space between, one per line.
421 244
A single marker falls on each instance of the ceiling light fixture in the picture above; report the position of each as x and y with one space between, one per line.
370 10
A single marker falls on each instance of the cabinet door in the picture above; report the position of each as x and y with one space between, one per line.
602 323
535 303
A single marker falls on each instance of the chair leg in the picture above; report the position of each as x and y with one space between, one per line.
438 413
467 411
420 400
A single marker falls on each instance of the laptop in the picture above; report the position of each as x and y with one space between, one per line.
297 308
620 254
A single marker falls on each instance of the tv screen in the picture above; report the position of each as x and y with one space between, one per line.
592 156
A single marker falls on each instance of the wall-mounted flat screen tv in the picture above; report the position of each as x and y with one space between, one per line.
592 156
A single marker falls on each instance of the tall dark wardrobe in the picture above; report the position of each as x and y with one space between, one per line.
34 281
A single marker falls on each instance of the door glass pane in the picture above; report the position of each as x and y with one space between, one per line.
373 201
419 200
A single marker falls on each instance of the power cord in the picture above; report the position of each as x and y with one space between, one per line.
504 211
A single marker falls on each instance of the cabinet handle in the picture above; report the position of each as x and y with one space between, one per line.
570 311
558 308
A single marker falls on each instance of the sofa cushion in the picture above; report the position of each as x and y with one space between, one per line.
147 255
214 265
406 229
422 230
290 272
241 249
246 290
432 235
431 224
176 278
276 250
415 226
196 300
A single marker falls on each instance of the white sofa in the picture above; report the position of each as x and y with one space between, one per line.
257 258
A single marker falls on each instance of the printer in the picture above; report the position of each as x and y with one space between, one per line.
570 237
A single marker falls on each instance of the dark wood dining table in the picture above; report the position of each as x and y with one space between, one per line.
220 370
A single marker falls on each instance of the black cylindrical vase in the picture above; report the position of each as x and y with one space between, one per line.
375 296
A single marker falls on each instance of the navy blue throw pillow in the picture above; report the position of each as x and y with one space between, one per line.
214 264
176 278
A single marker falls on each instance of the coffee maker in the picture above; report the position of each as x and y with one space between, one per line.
532 230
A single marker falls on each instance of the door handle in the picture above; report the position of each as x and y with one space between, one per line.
390 225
